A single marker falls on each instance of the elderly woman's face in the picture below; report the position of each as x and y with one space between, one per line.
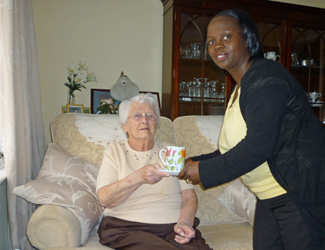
140 126
226 43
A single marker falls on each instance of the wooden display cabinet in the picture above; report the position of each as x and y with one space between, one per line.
293 32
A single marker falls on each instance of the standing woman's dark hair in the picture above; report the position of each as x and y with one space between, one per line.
250 31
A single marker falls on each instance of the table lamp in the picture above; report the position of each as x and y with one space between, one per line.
124 88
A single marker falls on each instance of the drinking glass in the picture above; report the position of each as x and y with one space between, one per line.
222 92
214 92
195 50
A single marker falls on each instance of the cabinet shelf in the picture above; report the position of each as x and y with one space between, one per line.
195 61
317 105
313 67
217 101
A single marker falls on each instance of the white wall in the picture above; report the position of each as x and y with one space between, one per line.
110 35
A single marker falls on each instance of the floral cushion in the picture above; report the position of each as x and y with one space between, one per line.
66 181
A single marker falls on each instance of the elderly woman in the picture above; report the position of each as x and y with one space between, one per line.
145 208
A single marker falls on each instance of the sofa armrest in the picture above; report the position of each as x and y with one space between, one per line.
53 226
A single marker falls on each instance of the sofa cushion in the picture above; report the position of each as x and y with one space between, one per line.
232 236
87 135
192 131
200 134
66 135
52 225
239 201
66 181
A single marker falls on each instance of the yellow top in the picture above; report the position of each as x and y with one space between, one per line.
260 181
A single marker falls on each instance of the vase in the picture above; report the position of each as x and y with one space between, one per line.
71 97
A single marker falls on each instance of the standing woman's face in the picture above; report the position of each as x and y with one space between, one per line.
226 43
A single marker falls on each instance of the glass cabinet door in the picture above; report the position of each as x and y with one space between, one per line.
201 84
272 40
308 64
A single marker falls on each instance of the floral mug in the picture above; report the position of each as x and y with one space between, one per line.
175 159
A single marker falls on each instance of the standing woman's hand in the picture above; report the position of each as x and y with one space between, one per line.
187 162
190 173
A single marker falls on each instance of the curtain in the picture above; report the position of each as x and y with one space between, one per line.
21 126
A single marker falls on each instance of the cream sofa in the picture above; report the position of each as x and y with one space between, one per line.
69 213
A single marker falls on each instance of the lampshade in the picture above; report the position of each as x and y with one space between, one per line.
124 89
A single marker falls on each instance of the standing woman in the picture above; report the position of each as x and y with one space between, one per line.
270 138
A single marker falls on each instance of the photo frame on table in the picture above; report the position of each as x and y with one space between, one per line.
75 108
86 110
98 95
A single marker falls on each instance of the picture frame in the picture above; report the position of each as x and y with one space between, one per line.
99 95
75 108
86 110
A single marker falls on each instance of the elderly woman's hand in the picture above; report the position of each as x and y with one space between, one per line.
184 233
151 174
190 173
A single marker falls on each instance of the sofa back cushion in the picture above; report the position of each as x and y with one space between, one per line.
87 135
200 134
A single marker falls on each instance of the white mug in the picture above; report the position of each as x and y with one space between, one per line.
175 158
271 55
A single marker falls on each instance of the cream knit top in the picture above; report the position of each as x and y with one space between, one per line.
158 203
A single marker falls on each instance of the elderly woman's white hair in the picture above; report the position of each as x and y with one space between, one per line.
124 106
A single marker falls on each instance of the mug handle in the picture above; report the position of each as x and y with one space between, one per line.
163 150
277 57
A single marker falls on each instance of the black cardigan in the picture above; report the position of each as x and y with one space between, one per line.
283 130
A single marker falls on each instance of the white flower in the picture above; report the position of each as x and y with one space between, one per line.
80 79
73 69
91 77
77 79
83 65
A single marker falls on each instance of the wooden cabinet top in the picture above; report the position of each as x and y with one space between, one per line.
257 8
